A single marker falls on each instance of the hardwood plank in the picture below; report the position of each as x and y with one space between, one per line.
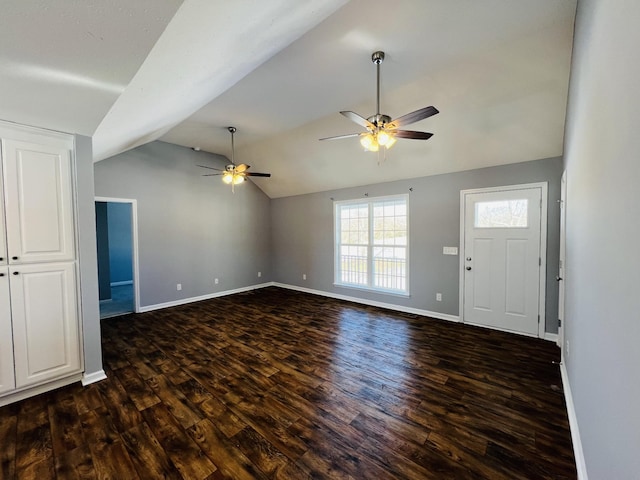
182 450
66 431
76 464
8 439
147 455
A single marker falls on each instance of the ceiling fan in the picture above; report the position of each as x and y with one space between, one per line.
234 174
382 131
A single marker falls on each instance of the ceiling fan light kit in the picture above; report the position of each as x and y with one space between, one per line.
234 174
382 131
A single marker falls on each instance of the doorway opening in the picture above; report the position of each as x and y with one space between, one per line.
116 234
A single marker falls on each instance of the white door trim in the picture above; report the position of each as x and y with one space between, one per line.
543 245
134 235
562 270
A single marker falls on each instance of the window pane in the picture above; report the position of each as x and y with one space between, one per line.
353 265
501 214
389 268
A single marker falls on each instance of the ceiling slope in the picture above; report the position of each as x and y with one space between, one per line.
206 48
497 70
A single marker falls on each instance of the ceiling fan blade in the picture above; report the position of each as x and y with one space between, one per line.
256 174
211 174
210 168
342 136
241 168
413 117
354 117
412 134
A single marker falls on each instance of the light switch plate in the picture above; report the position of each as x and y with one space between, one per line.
449 250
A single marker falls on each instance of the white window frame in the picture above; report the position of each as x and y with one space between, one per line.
370 201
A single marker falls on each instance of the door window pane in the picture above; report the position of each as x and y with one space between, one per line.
502 214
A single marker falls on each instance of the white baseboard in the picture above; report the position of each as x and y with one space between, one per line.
578 453
183 301
373 303
119 284
93 377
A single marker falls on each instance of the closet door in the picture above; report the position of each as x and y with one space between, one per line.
46 336
39 204
7 378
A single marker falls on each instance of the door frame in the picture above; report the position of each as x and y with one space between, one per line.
544 186
562 261
134 240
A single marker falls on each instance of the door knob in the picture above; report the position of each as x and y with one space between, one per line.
468 259
468 268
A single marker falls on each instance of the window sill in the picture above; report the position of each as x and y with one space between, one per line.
393 293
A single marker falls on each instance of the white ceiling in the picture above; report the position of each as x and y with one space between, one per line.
280 71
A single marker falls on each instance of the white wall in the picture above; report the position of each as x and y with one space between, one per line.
602 157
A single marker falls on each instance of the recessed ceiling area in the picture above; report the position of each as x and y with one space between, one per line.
127 73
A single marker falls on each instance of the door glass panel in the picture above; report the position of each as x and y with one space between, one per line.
501 214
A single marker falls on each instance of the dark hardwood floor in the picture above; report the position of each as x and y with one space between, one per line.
286 385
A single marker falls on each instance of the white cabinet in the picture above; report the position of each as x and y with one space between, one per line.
3 235
7 377
40 337
39 206
45 322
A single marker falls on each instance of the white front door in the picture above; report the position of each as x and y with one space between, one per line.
501 262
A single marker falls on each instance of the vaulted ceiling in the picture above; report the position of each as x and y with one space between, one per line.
129 72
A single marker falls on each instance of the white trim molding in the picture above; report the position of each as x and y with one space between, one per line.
93 377
578 453
120 284
373 303
208 296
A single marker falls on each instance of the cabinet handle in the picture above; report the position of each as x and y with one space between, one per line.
1 274
1 259
16 273
14 258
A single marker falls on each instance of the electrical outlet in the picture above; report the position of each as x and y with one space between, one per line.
179 286
438 297
259 274
304 276
216 281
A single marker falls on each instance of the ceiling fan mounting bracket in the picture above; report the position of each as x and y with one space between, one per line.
232 129
377 57
379 119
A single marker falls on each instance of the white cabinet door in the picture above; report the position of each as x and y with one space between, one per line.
7 378
39 204
3 234
45 327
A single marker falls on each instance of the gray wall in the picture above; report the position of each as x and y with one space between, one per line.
87 256
120 242
191 229
602 148
302 229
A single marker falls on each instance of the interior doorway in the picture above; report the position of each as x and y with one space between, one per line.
116 234
503 258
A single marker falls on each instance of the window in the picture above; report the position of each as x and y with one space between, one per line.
501 214
372 245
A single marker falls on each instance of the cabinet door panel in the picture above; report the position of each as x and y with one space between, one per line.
39 207
3 234
7 378
45 322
